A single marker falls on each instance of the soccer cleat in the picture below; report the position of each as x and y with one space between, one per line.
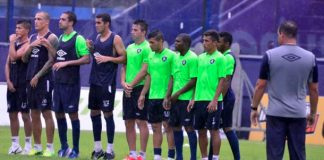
15 149
139 157
73 154
97 155
48 153
64 152
109 156
33 152
130 158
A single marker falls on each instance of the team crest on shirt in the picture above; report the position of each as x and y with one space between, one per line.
139 50
34 53
105 103
184 62
60 55
164 58
212 61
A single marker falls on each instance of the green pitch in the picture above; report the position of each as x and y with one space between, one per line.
249 150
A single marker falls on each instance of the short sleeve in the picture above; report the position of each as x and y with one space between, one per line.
230 65
146 53
265 70
313 77
193 67
81 46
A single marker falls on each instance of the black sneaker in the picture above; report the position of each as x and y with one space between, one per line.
97 155
109 156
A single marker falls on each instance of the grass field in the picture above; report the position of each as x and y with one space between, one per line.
249 150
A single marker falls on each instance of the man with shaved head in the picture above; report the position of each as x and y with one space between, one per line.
39 56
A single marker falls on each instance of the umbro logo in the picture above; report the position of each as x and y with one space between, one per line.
106 103
35 53
35 50
291 57
61 55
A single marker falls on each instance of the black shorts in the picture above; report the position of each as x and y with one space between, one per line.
130 107
227 113
66 97
102 97
180 116
203 119
156 112
17 101
40 97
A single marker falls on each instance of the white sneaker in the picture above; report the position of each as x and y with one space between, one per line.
15 149
26 151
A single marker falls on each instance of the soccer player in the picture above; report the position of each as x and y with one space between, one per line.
224 46
39 56
15 71
157 79
132 76
71 53
183 81
288 71
208 94
108 51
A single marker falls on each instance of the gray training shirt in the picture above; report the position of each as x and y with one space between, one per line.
288 70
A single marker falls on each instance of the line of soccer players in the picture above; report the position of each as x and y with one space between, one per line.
173 89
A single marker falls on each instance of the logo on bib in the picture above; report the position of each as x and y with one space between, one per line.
61 55
35 52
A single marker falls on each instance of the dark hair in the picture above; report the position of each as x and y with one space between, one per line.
288 28
71 17
142 23
227 37
157 34
25 23
186 39
213 34
105 18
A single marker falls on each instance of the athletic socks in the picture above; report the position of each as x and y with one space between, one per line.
38 147
178 141
215 157
233 141
62 131
110 148
157 151
76 134
28 144
171 153
50 147
192 136
96 127
15 140
97 146
133 154
110 125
